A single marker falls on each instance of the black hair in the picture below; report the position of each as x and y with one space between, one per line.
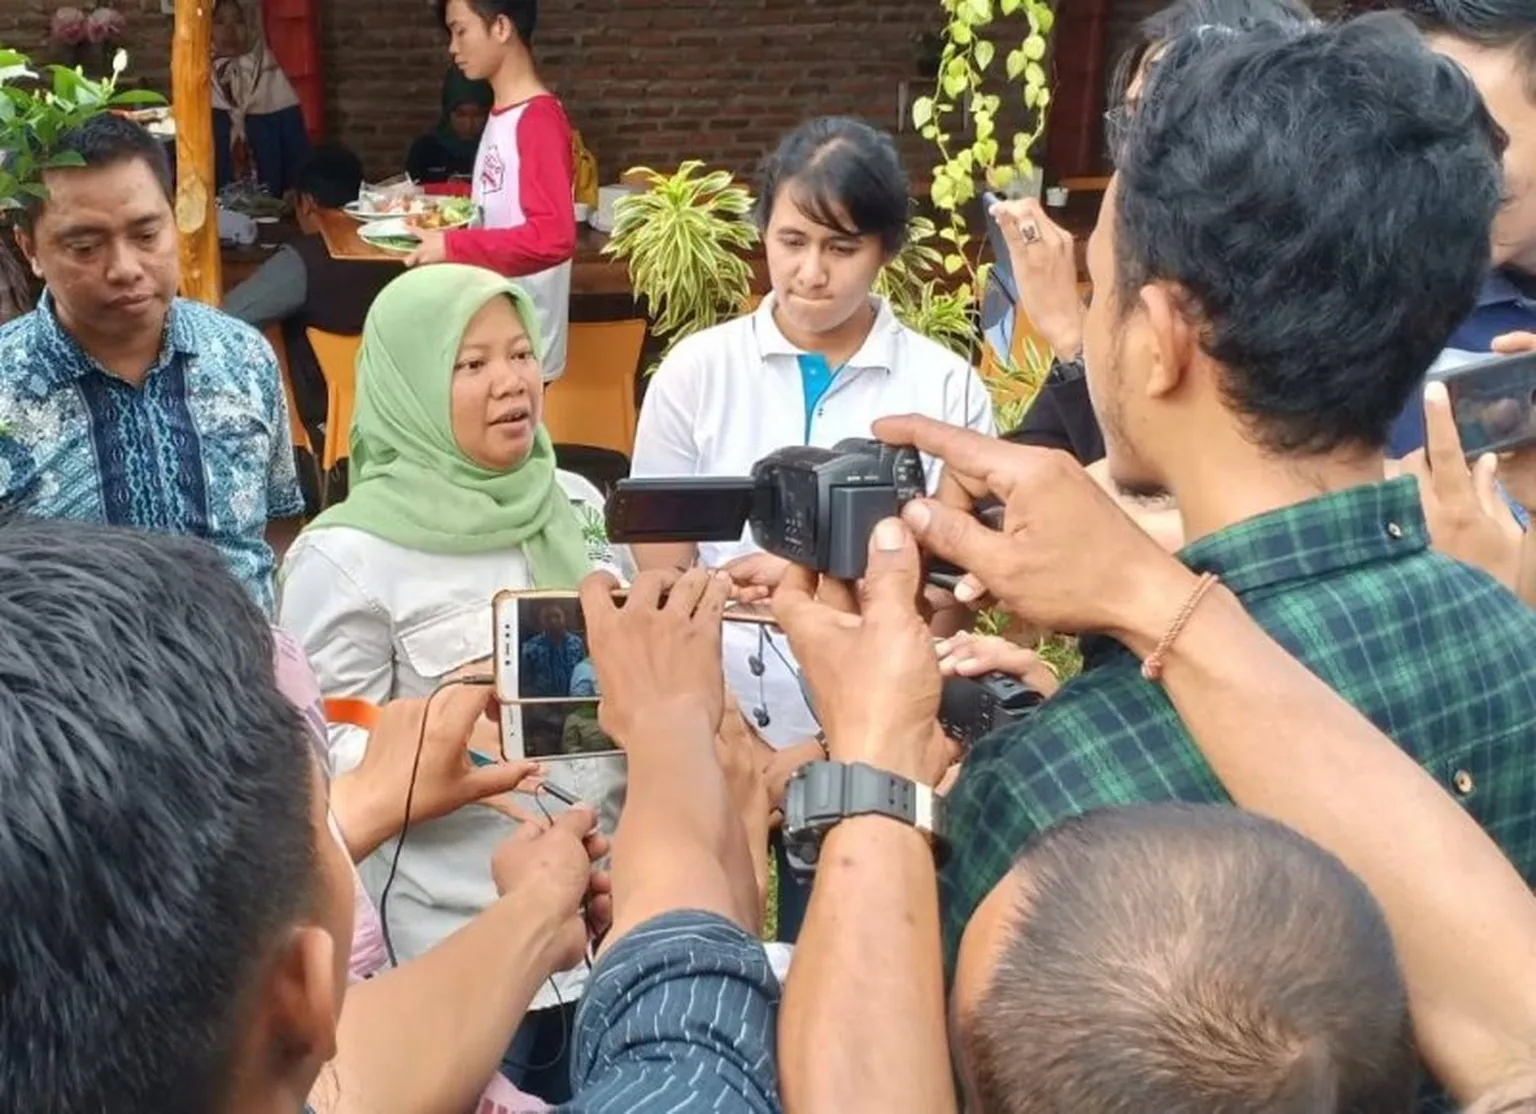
1497 24
1185 959
332 175
522 14
1322 197
1184 16
842 170
106 139
157 836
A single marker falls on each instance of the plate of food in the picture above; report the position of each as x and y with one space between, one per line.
394 234
367 209
449 212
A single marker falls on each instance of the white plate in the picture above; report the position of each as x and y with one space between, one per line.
388 228
355 210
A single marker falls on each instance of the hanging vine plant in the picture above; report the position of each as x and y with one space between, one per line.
960 119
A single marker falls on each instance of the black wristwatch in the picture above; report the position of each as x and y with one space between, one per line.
821 794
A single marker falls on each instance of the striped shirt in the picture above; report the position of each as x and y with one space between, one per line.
679 1016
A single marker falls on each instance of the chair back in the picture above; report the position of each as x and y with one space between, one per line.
593 402
337 356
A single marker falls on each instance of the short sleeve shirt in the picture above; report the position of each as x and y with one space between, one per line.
202 447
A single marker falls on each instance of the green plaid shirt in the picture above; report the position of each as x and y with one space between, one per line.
1435 653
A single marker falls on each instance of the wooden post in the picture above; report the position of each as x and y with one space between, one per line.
192 104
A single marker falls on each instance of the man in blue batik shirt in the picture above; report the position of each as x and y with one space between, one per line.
122 403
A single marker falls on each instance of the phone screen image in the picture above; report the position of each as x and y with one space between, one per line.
553 658
562 730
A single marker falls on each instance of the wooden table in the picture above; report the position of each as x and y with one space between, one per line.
592 272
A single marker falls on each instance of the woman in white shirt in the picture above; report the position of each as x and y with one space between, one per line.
454 496
820 360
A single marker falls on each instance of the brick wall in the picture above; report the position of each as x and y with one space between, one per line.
646 81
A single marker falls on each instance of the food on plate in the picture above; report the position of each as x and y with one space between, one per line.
452 212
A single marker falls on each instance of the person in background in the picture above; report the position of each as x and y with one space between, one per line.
303 287
454 496
122 403
1495 41
448 151
550 657
258 126
524 169
819 361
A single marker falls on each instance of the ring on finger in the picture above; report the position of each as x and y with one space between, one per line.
1030 231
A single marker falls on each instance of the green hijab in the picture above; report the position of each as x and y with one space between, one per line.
457 90
410 483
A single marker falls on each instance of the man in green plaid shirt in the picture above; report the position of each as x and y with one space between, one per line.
1270 284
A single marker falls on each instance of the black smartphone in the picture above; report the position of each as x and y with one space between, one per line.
1494 403
1002 262
679 509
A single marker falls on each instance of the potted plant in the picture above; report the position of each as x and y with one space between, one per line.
37 107
683 236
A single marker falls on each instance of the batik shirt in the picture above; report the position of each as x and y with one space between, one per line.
201 447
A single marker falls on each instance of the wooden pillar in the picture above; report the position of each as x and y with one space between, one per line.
1075 138
197 218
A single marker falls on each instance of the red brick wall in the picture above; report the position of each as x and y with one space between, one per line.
646 81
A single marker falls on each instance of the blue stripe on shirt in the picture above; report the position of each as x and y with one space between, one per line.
678 1016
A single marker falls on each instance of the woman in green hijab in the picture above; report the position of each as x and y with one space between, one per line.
448 151
454 495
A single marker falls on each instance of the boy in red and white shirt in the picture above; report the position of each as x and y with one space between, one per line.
524 171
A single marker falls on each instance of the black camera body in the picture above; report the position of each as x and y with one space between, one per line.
815 507
972 707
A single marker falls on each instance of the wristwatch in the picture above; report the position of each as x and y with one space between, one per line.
821 794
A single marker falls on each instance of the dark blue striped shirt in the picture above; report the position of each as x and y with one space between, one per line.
679 1016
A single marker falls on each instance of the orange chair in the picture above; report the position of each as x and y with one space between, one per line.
300 435
337 356
593 403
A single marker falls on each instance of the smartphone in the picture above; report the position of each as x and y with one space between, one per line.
545 682
1002 262
679 509
1493 402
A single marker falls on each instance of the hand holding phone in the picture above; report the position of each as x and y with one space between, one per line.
1494 402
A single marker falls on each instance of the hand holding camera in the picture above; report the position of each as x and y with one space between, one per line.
1066 558
869 661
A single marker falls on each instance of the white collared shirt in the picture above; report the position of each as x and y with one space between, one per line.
728 396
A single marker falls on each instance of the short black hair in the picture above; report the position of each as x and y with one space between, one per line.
1185 959
1184 16
840 165
107 139
156 836
332 175
1497 24
1323 198
522 14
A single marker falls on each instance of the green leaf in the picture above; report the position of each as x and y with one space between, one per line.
960 33
953 263
983 54
1034 74
942 192
985 128
62 159
1003 176
131 97
1008 7
986 152
1015 64
1043 100
922 111
1034 48
954 84
1031 95
930 132
1042 18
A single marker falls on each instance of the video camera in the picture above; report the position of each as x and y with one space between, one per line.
814 507
971 707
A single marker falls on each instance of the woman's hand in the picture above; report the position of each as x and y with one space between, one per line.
1044 262
1467 516
369 801
971 655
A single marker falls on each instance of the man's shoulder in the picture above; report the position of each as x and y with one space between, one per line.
224 345
205 321
16 334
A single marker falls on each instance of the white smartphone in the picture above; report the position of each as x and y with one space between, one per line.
545 682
